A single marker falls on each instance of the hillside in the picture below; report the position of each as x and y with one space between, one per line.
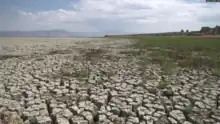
47 33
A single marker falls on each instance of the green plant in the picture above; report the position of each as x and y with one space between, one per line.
91 54
180 51
81 75
53 52
216 72
188 109
153 90
163 84
9 56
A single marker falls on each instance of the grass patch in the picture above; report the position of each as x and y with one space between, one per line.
53 52
186 52
216 72
132 52
5 57
39 59
163 84
92 54
81 75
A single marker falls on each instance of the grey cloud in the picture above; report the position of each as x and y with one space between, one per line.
117 17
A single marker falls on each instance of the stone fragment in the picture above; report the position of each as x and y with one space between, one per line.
88 116
116 119
208 121
142 122
67 113
178 115
141 111
62 121
11 118
187 122
172 121
216 118
200 105
115 110
9 103
133 120
168 92
44 120
79 120
102 118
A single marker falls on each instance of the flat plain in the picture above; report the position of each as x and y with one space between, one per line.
137 80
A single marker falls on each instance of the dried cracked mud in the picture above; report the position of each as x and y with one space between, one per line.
93 81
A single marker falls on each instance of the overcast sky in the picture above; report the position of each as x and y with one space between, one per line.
116 16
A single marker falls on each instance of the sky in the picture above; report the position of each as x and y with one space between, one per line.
108 16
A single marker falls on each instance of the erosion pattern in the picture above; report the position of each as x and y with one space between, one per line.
94 81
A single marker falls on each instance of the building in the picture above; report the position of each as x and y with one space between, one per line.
211 31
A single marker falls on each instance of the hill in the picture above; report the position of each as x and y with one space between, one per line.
48 33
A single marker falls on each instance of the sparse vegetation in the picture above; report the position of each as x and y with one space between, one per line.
39 59
81 75
216 72
188 109
91 54
59 52
163 84
186 52
9 56
153 90
65 72
168 92
133 52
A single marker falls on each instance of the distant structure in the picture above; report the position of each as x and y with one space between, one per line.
210 31
203 31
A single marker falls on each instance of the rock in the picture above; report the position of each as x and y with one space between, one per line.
9 103
141 111
11 118
153 90
216 118
44 120
43 112
172 121
208 121
134 120
168 92
178 115
116 120
16 96
102 118
129 100
113 93
33 120
35 89
179 107
79 120
183 92
200 105
187 122
56 111
115 110
62 121
88 116
142 122
67 113
74 109
162 120
125 112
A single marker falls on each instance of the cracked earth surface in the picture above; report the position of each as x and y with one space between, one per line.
90 81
